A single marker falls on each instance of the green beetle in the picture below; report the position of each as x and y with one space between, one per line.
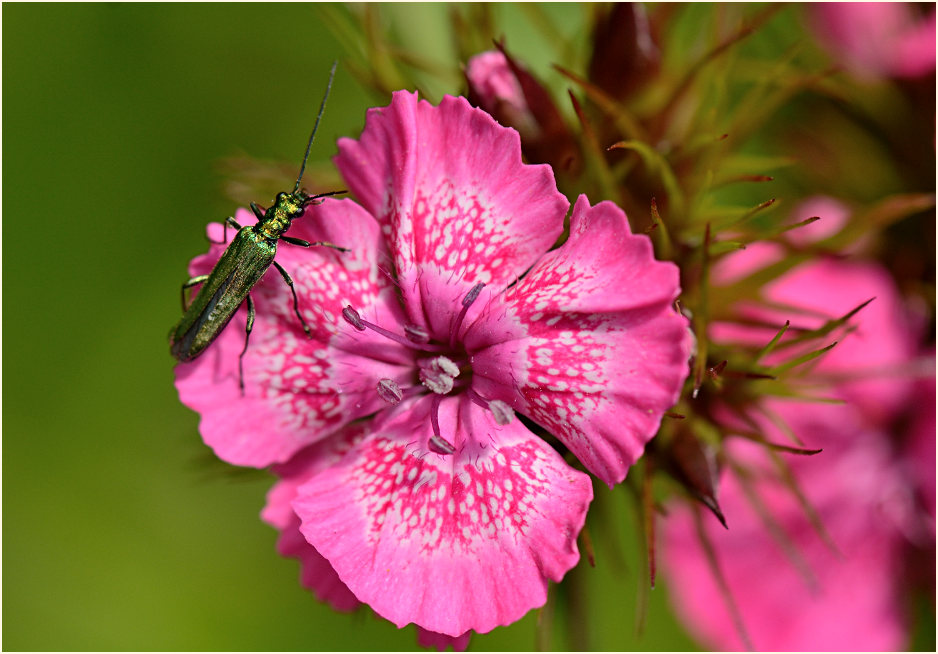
242 265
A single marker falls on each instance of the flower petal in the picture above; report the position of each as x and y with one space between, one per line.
317 574
448 186
298 470
588 344
325 279
297 390
452 543
877 39
884 336
919 446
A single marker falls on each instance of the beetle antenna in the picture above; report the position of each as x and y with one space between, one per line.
316 126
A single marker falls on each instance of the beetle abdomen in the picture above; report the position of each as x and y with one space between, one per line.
236 272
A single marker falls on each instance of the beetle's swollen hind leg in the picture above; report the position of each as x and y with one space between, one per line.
247 334
198 279
224 239
296 304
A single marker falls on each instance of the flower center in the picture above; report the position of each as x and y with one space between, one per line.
445 371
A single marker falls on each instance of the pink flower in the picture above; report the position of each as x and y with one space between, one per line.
870 365
793 590
877 39
450 315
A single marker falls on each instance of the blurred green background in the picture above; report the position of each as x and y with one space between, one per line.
120 533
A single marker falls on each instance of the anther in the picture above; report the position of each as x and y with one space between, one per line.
447 366
389 391
355 320
467 301
502 413
416 334
472 294
437 443
440 445
351 317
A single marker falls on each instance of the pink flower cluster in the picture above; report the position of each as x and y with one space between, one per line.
408 480
794 581
878 39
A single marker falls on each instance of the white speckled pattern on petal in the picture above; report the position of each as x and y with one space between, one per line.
452 543
481 216
597 353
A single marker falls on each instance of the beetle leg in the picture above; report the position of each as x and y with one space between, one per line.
257 211
312 198
224 239
247 334
296 304
307 244
295 241
189 284
234 225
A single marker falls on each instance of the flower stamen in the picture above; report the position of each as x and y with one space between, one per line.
466 303
501 411
353 318
437 443
416 334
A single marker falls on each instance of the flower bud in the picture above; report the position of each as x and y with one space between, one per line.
694 464
515 98
625 55
495 88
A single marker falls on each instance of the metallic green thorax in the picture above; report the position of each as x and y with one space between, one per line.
276 221
240 267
